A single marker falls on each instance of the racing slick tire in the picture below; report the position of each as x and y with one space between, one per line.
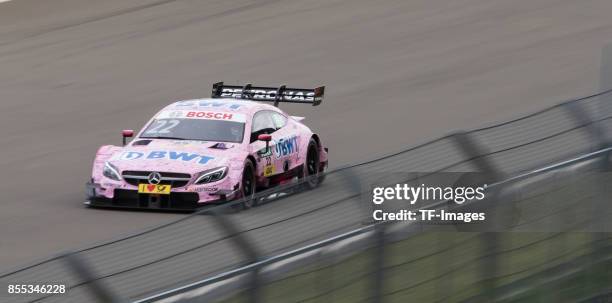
248 185
312 166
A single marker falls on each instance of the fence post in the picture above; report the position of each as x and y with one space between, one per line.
598 135
605 81
476 153
379 263
85 272
577 111
356 186
445 285
248 249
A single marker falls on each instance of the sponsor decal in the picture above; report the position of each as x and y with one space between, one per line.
188 142
219 104
209 115
197 114
265 153
262 94
268 167
206 189
209 103
268 170
154 189
169 155
173 114
285 147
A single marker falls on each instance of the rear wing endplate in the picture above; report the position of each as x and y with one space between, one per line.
269 94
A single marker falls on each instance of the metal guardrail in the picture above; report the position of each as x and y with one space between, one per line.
256 265
368 228
196 246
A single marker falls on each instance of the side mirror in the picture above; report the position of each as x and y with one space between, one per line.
127 133
266 138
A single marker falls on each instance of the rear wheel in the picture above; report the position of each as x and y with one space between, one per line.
312 165
248 185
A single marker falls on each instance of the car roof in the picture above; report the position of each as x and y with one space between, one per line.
246 107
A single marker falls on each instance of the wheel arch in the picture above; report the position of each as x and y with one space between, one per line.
322 150
317 139
252 158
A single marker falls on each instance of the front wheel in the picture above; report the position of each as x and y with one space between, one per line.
248 185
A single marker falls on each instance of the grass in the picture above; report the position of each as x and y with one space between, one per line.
456 266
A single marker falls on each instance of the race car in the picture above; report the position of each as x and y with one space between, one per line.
199 152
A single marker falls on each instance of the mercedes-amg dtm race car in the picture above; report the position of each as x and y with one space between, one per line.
207 151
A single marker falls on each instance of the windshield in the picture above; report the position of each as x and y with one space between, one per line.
195 129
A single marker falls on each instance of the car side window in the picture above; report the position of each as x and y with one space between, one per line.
279 120
262 124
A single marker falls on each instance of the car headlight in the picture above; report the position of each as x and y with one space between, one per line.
111 172
212 175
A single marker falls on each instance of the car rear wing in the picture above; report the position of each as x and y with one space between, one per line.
270 94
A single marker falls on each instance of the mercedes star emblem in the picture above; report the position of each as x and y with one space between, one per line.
154 178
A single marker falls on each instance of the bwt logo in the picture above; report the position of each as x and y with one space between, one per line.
286 146
170 155
262 94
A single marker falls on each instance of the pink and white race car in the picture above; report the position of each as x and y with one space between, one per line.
206 151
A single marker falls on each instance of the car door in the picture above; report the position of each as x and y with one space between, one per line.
285 150
263 124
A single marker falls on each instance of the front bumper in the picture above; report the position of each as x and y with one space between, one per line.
177 201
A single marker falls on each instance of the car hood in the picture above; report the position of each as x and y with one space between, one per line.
179 156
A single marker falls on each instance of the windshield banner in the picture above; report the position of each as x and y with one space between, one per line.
201 114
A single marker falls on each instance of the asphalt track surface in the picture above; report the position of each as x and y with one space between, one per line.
73 73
